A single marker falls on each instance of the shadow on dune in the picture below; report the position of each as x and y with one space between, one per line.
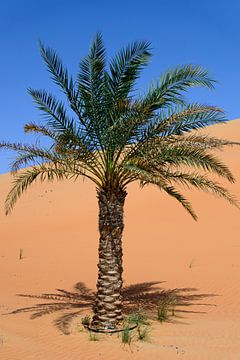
143 296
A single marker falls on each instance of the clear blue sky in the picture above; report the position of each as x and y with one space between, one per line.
181 31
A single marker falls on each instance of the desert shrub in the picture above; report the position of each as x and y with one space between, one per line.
166 308
86 320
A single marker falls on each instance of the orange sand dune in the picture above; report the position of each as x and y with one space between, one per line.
55 225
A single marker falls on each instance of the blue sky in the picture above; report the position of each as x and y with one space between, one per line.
200 32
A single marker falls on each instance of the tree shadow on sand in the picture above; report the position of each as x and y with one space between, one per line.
144 297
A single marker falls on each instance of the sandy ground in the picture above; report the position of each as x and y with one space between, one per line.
55 225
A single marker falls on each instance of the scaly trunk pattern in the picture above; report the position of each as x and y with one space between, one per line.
108 306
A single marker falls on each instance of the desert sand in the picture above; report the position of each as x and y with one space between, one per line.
55 226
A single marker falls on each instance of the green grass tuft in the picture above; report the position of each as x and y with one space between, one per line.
137 318
143 333
86 320
166 308
93 336
126 335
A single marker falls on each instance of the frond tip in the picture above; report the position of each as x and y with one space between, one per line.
170 190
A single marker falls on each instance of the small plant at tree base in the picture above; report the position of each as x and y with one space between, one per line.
93 336
137 318
172 302
142 329
166 306
86 320
162 312
143 333
127 336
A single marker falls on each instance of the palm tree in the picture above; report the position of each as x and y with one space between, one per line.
114 137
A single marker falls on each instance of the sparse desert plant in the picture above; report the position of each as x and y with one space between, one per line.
191 264
137 318
166 308
112 136
142 325
162 311
86 320
143 333
171 301
173 304
20 254
126 335
93 336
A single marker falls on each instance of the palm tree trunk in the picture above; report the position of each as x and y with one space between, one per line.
108 305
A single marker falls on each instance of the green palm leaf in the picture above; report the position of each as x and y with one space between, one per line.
170 190
125 69
22 182
53 110
203 141
58 72
201 182
172 85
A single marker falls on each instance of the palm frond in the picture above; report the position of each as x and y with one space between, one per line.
164 179
61 77
58 72
184 76
172 85
170 190
32 156
27 154
78 161
191 117
90 78
179 121
201 182
194 157
40 129
147 177
90 82
58 121
23 180
158 154
203 141
125 69
44 172
20 148
53 110
140 125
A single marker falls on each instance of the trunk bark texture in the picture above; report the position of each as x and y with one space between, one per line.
108 306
